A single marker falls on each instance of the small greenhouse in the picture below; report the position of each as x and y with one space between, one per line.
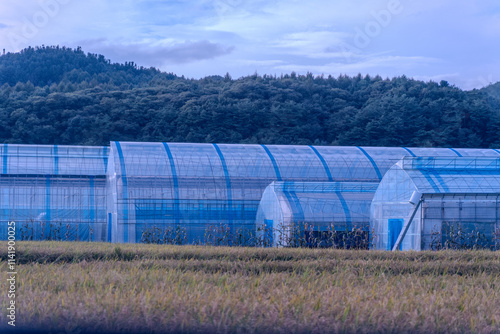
429 203
290 212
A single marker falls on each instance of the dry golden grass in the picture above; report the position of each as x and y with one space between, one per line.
91 287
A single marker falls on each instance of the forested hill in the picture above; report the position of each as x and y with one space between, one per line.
53 95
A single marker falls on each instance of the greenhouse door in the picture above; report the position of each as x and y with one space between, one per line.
395 227
268 232
109 226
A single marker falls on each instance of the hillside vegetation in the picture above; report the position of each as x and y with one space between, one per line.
136 288
54 95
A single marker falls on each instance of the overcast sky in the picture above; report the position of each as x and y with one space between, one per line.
454 40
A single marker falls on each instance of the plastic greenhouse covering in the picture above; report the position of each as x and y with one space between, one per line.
459 199
197 186
54 192
115 193
313 206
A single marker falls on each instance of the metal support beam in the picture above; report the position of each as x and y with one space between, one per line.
406 227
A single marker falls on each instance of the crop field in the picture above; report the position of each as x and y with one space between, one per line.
136 288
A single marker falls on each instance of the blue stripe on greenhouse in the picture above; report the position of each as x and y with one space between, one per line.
61 176
440 180
325 165
372 161
292 198
5 152
56 161
461 172
275 165
347 213
494 149
409 151
47 198
228 182
109 226
433 184
105 158
125 191
175 181
209 210
92 200
456 152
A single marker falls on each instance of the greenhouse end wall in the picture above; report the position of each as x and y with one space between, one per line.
390 210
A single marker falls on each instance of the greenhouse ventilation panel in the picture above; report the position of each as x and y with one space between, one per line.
451 200
312 207
54 192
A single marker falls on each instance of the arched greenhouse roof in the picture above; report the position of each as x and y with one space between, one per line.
431 175
310 202
53 159
236 162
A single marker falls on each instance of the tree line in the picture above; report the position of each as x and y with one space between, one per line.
59 95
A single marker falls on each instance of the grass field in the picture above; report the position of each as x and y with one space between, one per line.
92 287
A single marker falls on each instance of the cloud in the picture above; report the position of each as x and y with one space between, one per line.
451 39
156 54
311 43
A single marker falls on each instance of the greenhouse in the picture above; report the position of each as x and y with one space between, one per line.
429 203
54 192
200 186
118 193
313 211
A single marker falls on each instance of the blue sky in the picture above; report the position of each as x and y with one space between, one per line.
454 40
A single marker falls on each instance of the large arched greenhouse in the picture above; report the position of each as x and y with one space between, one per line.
117 193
